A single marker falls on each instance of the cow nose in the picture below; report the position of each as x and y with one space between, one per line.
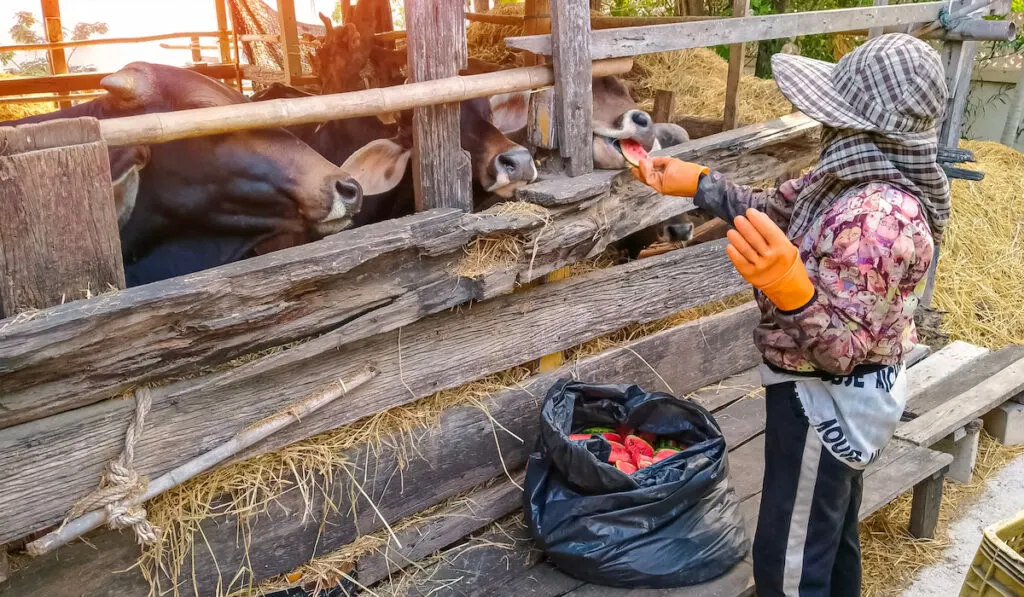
350 194
680 232
517 164
641 119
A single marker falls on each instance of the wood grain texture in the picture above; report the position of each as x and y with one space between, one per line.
351 285
541 127
924 510
450 458
731 114
437 49
574 97
290 51
938 422
948 372
47 464
664 106
651 39
58 236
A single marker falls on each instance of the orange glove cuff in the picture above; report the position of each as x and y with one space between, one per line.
793 290
681 178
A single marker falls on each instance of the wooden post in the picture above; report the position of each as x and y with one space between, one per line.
55 33
536 21
290 52
541 130
481 5
876 31
1009 136
574 94
664 105
197 52
437 48
959 59
924 509
58 237
730 118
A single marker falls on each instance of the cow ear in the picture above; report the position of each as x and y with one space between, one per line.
510 111
378 166
126 165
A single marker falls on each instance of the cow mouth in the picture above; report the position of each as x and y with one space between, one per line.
333 226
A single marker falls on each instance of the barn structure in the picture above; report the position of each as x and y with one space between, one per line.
445 328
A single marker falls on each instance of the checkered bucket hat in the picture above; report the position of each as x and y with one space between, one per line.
892 84
880 106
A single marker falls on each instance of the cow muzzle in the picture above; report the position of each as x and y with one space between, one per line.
513 169
346 196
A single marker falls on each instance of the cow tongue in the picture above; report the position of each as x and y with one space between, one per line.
632 151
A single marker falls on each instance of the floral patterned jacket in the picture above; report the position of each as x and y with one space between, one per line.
868 258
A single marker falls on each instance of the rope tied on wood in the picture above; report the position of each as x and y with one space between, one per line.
121 484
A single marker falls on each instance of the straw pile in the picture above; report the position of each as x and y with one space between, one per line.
17 111
487 42
980 281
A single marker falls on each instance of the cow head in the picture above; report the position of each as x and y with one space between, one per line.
499 165
617 116
263 183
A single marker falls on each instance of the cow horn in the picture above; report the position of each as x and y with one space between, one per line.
120 84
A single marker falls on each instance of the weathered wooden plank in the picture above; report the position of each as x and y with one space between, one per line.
437 49
929 380
731 115
574 97
457 454
541 127
730 389
664 106
917 354
355 284
742 420
900 467
651 39
46 464
58 237
924 510
737 582
935 424
724 151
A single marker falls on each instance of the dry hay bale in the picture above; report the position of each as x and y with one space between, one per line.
980 280
487 41
698 79
18 111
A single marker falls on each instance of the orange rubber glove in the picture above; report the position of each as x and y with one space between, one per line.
764 257
670 176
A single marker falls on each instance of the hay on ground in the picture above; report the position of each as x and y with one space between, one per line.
980 279
891 557
18 111
486 41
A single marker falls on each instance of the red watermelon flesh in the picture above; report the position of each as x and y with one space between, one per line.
632 151
638 447
579 437
663 454
612 437
625 466
619 453
643 462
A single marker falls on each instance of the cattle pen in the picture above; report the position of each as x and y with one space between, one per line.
464 318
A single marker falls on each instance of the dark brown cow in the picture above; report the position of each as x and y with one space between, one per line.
263 190
377 154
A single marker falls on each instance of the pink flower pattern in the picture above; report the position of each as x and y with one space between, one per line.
868 257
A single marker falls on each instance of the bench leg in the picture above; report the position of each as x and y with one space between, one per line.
924 510
963 445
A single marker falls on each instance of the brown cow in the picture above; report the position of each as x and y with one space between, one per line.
377 154
263 190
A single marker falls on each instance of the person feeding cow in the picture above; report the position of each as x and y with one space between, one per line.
838 259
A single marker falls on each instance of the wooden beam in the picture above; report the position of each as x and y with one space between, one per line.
731 116
87 81
480 6
664 106
58 237
924 510
456 454
169 126
536 20
876 31
574 98
437 49
55 34
64 455
634 41
106 41
290 52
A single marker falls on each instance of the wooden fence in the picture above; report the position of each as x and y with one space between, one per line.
383 294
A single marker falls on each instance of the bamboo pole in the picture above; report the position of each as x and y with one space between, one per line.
106 41
240 441
170 126
494 19
292 56
39 99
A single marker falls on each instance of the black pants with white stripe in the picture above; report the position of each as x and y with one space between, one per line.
806 543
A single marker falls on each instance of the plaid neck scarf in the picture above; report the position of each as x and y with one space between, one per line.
851 159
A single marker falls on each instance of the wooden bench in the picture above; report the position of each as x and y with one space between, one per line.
504 562
951 390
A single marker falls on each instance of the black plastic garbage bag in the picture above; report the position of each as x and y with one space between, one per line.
674 523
